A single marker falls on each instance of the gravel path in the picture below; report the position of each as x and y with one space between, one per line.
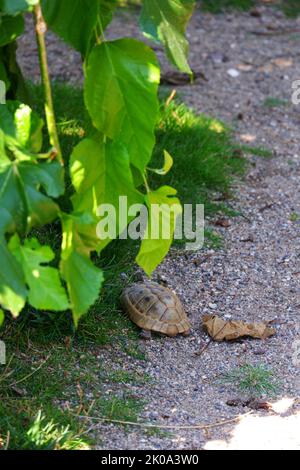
250 280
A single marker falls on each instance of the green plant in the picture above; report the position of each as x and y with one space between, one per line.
47 435
294 216
201 143
120 95
291 8
123 409
272 102
254 379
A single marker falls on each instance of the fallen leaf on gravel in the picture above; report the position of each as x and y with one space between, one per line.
220 329
257 404
267 68
248 138
181 79
222 223
244 67
253 403
282 62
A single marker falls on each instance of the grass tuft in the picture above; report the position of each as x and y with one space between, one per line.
47 435
272 102
253 379
25 425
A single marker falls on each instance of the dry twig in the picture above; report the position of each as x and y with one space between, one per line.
168 426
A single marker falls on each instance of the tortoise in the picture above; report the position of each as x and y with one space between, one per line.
155 308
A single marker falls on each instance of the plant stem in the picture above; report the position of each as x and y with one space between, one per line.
146 183
40 29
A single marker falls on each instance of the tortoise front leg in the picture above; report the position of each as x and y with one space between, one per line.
145 334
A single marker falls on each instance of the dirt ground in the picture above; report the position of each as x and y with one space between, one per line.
255 276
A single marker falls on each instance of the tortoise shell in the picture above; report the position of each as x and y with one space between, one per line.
155 308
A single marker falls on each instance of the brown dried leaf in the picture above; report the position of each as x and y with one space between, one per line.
180 79
257 404
267 68
283 62
253 403
221 330
244 67
225 223
248 138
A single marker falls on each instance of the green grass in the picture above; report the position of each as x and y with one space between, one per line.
49 363
26 424
121 409
255 380
48 435
291 8
294 217
205 156
272 102
258 151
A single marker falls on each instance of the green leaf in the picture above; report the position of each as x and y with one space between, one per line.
152 250
10 28
79 22
23 178
14 80
106 11
13 291
23 124
168 163
2 317
73 20
45 289
20 196
121 95
166 21
3 78
14 7
100 173
83 279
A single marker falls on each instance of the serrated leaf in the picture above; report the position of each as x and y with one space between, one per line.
100 173
166 21
45 289
14 7
20 122
11 27
83 279
13 290
153 251
168 163
120 91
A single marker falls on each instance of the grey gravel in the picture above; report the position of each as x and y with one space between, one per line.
255 276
